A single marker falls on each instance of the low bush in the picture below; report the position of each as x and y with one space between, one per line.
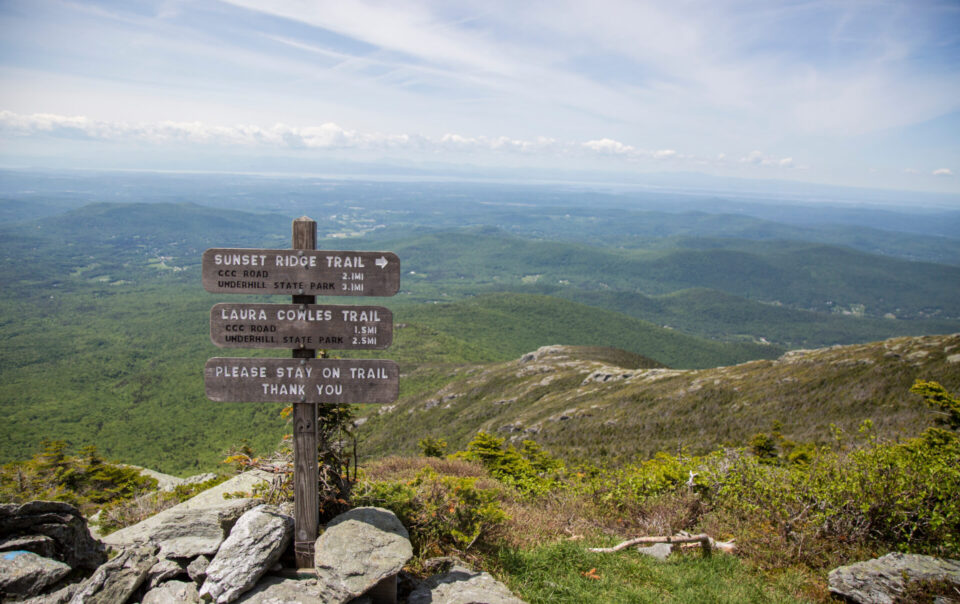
443 514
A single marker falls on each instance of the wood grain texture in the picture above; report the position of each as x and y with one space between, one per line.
306 473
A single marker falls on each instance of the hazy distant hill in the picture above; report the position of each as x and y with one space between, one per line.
802 275
582 406
724 316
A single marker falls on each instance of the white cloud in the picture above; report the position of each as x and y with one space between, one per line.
759 158
943 172
331 136
609 146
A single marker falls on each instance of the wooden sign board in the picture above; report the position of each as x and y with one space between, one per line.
308 326
301 380
300 272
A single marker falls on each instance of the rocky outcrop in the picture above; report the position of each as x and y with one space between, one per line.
358 550
25 574
882 580
462 585
195 532
254 545
198 525
358 559
51 529
119 578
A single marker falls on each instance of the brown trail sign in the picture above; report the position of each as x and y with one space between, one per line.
301 326
335 381
303 273
300 272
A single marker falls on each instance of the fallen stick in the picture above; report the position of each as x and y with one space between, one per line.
704 541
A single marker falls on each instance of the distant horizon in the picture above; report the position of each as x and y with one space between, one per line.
755 190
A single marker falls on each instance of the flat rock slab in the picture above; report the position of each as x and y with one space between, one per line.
279 590
119 578
185 532
255 544
172 592
165 523
26 574
358 550
462 585
882 580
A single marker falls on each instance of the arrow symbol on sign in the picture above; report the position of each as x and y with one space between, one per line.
381 262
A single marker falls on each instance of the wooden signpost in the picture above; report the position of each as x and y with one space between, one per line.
303 327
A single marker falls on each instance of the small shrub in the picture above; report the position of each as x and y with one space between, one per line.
432 447
531 470
442 513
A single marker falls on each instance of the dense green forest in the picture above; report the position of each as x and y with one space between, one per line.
105 324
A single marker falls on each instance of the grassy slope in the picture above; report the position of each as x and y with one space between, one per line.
625 413
121 366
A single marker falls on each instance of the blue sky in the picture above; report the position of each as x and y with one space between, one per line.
854 93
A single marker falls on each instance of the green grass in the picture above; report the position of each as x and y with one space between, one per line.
552 574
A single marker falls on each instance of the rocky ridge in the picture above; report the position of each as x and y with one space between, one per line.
582 405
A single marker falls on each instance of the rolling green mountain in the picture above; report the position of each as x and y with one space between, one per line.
585 407
121 366
801 275
507 325
723 316
104 323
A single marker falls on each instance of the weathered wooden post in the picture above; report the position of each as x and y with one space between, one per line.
305 468
304 326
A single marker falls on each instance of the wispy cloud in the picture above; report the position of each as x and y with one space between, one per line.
330 136
943 172
656 84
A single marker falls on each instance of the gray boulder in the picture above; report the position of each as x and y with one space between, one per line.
26 574
172 592
197 570
254 545
164 570
278 590
358 550
119 578
462 585
882 580
185 532
207 513
31 524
